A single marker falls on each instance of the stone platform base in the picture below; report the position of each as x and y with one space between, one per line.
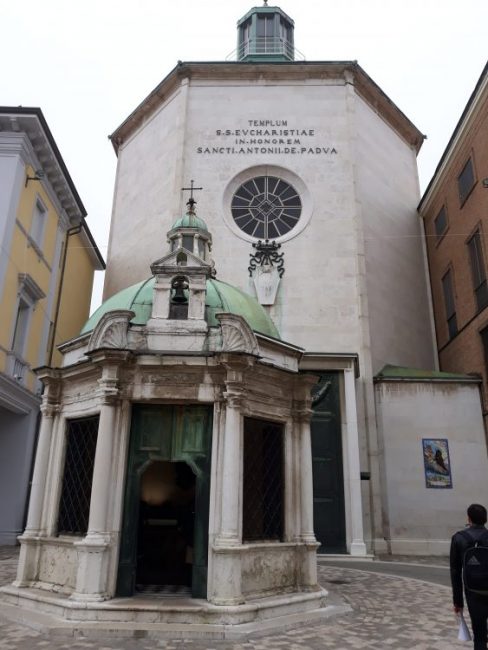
166 617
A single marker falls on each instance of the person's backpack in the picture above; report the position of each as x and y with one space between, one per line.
475 563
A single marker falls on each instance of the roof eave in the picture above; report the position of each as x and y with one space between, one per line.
475 98
37 112
365 86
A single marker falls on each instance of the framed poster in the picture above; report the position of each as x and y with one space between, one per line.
437 464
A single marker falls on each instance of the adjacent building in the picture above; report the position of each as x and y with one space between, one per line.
455 212
47 265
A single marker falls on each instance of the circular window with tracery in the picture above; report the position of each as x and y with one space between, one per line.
266 207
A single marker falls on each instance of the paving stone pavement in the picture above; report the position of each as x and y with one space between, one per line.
388 613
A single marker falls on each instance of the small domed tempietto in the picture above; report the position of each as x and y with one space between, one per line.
265 34
191 233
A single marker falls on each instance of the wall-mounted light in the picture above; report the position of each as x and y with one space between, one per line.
39 175
485 183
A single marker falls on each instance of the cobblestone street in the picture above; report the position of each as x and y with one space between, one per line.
388 612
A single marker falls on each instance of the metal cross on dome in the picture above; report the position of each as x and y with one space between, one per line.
191 201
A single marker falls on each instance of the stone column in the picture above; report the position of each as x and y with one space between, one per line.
308 543
306 484
29 551
227 565
38 485
358 546
93 551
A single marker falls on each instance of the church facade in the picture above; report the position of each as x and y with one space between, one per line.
261 382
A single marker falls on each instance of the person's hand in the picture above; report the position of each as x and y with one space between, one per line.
458 610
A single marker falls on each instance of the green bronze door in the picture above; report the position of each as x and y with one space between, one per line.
169 436
328 480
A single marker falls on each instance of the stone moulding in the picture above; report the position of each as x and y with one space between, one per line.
237 336
111 331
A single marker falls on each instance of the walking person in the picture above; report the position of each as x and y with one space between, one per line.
469 564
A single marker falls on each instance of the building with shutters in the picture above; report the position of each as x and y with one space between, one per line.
47 265
455 208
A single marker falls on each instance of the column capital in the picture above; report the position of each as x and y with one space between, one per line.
301 411
49 410
108 391
235 394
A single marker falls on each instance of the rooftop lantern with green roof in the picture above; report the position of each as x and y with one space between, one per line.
265 34
191 233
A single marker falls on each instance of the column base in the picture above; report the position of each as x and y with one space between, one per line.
93 563
88 598
358 549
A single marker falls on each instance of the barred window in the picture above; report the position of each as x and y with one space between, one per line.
484 341
440 223
74 506
263 481
466 181
449 304
478 270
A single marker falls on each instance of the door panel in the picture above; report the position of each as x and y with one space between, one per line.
172 433
328 479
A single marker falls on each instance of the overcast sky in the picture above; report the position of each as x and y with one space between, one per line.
88 64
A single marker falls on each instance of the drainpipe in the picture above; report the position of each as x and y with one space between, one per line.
71 231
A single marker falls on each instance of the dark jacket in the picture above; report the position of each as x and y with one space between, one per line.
458 546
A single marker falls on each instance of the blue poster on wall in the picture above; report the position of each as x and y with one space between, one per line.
437 465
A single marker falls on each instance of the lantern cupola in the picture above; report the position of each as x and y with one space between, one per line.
265 34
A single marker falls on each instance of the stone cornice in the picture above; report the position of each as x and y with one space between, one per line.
19 144
320 361
108 356
16 397
30 123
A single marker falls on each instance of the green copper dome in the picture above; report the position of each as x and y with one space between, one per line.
190 220
221 297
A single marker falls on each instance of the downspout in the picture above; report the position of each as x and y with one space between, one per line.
71 231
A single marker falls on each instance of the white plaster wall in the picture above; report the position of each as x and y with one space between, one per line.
145 188
387 194
421 520
318 294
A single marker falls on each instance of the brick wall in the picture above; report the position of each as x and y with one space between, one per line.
464 351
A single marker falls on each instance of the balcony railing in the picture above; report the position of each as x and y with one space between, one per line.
268 46
16 366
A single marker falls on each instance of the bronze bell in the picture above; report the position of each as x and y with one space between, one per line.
179 286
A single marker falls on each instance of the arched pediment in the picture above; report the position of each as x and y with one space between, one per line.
237 336
111 330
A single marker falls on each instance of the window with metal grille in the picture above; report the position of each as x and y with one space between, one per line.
478 270
440 223
484 341
266 207
466 181
449 304
74 506
263 481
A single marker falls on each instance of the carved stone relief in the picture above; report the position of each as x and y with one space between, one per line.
111 331
237 336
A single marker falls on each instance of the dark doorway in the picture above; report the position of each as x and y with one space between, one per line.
166 528
328 476
164 539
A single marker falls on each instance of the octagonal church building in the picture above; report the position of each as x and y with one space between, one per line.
260 383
